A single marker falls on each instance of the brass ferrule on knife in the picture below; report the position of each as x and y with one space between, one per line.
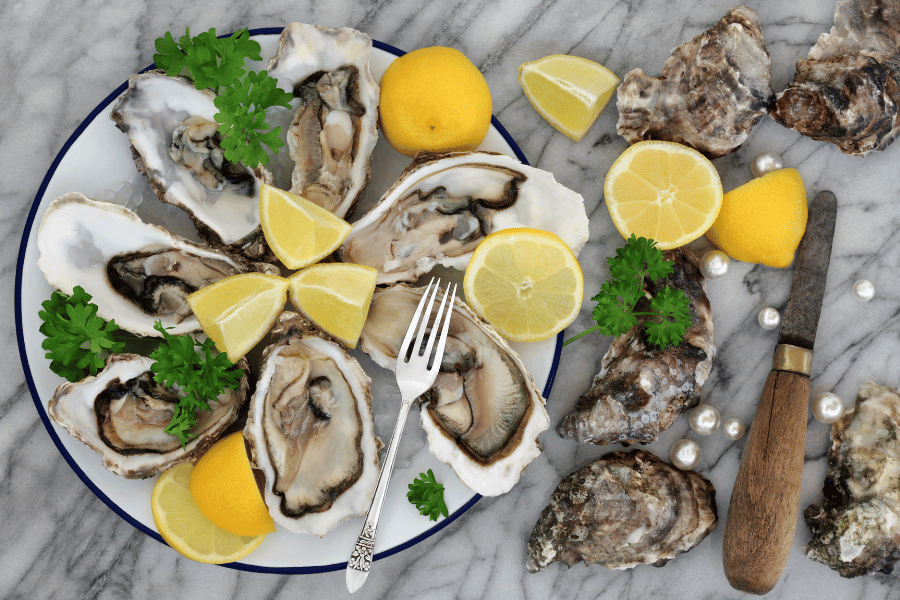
792 358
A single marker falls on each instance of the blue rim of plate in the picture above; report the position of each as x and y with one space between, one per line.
46 420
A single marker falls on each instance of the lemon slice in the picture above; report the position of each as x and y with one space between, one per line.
182 525
664 191
568 91
298 231
238 311
336 297
525 282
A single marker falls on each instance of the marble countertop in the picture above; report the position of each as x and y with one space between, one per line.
60 59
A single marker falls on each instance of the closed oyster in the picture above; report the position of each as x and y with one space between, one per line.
175 143
623 510
443 205
310 430
847 91
335 125
137 273
483 414
856 530
713 89
641 389
122 413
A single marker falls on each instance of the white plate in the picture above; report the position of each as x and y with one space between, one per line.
96 161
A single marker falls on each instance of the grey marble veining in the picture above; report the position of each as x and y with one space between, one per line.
60 58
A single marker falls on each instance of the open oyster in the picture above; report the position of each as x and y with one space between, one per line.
623 510
856 531
443 205
483 414
335 126
137 273
122 413
310 430
713 89
640 389
847 91
175 143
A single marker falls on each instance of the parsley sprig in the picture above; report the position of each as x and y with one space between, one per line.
669 315
428 496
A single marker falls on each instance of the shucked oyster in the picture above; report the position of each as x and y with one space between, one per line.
122 413
640 389
713 89
310 430
335 124
483 414
623 510
847 91
443 205
857 529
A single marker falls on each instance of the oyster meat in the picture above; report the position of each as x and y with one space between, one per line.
443 205
137 273
623 510
713 89
122 413
310 430
847 91
335 125
176 144
856 530
483 414
640 389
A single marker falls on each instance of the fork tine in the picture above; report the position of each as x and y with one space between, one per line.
425 318
413 327
439 352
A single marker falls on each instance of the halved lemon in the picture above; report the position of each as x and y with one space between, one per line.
525 282
336 297
238 311
664 191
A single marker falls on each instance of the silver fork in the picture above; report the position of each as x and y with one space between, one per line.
414 377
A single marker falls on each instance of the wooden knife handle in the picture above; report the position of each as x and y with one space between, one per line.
762 516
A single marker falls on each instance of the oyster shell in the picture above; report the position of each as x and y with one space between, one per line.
310 430
623 510
174 142
713 89
122 414
483 414
847 91
137 273
856 530
335 125
443 205
640 389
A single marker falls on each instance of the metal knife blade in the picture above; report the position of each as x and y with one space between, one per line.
804 304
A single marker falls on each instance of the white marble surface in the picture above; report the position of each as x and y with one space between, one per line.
59 59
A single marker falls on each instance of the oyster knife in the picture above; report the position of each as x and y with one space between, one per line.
762 517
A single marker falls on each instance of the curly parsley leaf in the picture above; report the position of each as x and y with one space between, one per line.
212 62
428 496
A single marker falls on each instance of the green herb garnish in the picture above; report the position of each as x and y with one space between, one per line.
428 496
669 313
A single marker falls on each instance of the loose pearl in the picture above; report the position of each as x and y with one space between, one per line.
704 419
769 318
685 454
827 407
765 163
714 264
733 429
864 290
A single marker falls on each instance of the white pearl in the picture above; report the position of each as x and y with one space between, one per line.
765 163
704 419
714 264
685 454
769 318
864 290
733 429
827 407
